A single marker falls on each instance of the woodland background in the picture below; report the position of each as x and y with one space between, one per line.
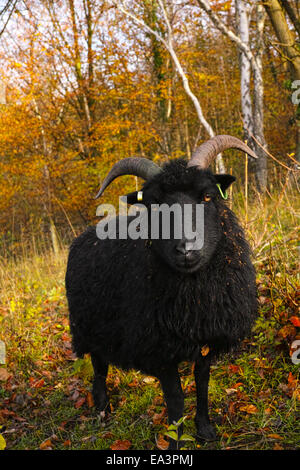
84 83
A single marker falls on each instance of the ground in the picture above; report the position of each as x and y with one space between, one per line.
45 391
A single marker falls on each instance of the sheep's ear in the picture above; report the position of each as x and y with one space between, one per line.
224 181
136 197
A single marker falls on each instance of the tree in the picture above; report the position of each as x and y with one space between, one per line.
169 45
5 14
255 60
288 44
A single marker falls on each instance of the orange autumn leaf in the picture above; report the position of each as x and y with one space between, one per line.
292 382
277 447
237 385
134 383
158 417
250 409
287 330
205 350
296 394
161 443
90 400
231 407
46 445
4 374
67 443
295 321
120 445
79 402
234 368
38 383
275 436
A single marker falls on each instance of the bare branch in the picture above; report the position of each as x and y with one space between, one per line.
4 10
170 48
220 25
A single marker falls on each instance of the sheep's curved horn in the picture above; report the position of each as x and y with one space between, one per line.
130 166
205 153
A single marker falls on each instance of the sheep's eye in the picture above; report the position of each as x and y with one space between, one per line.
206 198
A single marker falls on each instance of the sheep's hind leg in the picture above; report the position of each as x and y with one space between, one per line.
205 431
99 384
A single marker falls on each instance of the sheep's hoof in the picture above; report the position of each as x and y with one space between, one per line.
206 432
101 403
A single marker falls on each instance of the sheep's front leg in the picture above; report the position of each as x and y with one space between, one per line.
99 384
173 394
204 429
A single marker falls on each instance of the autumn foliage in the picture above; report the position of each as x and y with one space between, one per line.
84 87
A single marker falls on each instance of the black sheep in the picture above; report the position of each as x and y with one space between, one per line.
150 304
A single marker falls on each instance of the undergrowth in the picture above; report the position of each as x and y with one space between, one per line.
254 395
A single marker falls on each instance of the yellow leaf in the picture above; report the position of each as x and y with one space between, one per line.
2 442
250 409
149 380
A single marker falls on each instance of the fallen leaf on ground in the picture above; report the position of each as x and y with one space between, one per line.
120 445
275 436
295 321
4 374
292 381
2 442
250 409
134 383
79 402
158 417
36 383
149 380
287 330
229 391
238 384
90 400
46 445
234 369
161 443
277 447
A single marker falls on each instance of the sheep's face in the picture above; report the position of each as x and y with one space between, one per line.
198 202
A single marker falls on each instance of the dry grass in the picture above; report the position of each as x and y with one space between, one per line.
254 397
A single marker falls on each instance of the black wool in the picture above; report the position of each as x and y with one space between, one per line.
131 308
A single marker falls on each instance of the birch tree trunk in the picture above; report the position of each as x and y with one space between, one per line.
242 15
252 114
261 164
288 45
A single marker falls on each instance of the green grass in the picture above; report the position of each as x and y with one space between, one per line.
254 395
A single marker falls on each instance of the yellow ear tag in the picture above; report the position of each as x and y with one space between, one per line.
140 195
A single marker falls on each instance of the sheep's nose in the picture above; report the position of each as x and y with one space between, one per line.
183 250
